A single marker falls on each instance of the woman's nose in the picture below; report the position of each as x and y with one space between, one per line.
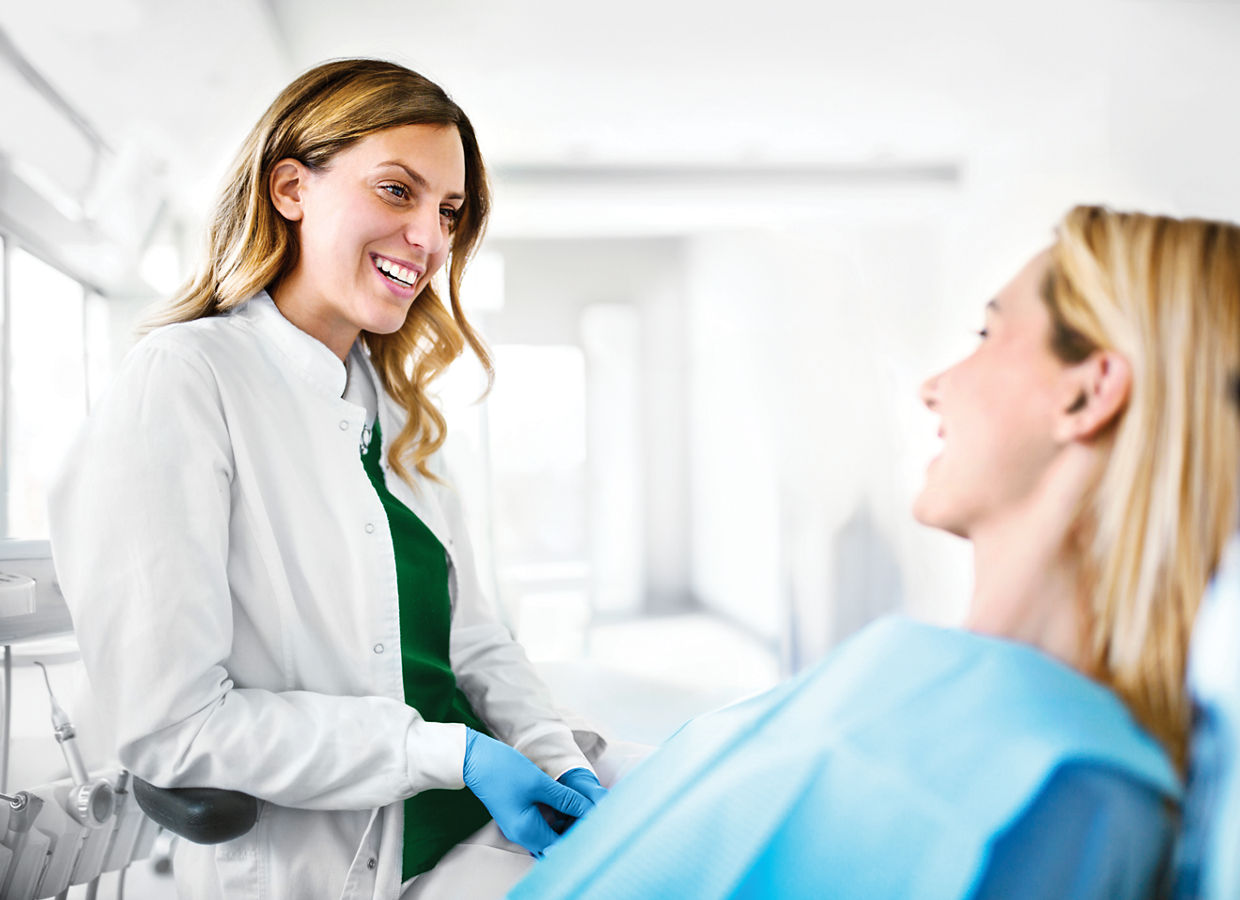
425 230
930 391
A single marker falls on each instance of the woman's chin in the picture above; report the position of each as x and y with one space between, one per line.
928 511
923 511
387 320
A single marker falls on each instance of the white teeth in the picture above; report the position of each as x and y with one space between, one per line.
397 272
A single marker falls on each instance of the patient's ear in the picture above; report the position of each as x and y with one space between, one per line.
1096 393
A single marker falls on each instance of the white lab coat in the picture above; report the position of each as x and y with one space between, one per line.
231 577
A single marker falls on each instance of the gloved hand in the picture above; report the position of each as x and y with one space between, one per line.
509 786
584 782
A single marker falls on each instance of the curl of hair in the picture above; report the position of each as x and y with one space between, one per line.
250 246
1165 294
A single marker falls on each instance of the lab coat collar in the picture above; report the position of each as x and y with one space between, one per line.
362 381
365 390
310 358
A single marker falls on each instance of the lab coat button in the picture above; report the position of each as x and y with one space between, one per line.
378 648
370 527
344 424
370 863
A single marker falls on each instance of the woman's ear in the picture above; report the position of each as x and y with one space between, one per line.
287 182
1098 389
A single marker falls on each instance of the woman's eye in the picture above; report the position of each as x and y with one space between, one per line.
451 215
399 191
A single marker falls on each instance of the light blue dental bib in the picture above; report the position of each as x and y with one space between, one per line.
884 772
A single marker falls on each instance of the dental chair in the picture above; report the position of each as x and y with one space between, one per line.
1208 858
66 830
70 830
199 815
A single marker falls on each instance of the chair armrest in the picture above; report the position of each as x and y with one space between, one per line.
200 815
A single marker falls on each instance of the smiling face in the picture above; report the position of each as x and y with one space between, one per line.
372 227
998 409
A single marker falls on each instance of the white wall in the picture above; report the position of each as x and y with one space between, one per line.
806 436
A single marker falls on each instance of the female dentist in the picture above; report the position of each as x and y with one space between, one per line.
267 568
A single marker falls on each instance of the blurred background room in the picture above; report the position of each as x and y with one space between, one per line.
729 242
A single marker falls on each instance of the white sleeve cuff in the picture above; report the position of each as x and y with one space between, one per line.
436 752
554 752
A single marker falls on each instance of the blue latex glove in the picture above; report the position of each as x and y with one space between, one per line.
510 786
584 782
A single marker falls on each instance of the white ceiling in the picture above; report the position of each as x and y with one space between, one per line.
555 80
557 86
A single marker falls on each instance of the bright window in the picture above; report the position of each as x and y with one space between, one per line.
4 397
538 464
47 388
97 333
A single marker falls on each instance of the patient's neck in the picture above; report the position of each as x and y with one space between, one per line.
1028 587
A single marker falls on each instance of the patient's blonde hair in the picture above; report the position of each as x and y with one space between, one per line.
1165 294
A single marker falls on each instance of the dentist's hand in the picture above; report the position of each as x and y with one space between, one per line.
510 786
584 782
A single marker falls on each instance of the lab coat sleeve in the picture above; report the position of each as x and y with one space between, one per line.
140 533
494 672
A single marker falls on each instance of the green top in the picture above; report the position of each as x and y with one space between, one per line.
436 820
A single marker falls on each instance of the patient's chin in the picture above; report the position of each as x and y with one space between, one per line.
928 511
923 509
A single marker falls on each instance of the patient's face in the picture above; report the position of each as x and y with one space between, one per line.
996 409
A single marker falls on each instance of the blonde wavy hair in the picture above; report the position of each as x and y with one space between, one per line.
250 246
1165 294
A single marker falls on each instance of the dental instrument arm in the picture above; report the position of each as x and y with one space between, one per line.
91 801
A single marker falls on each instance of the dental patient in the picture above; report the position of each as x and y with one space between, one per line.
1090 451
